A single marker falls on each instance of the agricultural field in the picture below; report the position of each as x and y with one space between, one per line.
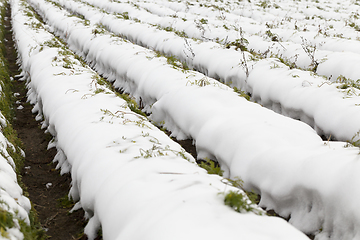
268 92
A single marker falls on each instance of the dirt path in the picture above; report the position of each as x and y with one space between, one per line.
47 189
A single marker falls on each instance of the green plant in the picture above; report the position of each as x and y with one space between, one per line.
125 15
354 141
242 93
240 43
132 104
203 21
34 231
52 43
288 62
264 4
6 222
274 37
355 26
159 151
201 83
211 167
238 201
65 202
100 29
176 63
346 83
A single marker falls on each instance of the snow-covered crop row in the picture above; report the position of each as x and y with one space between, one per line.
291 92
312 182
293 46
129 177
14 206
287 21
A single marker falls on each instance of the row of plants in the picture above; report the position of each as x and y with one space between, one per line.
300 50
291 92
18 220
267 36
124 169
275 156
299 16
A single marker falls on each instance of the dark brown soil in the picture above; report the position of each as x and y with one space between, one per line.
39 171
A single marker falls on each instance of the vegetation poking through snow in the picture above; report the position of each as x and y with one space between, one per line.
240 202
211 167
310 50
349 86
14 152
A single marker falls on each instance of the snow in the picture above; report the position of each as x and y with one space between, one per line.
259 146
125 172
112 152
273 93
12 200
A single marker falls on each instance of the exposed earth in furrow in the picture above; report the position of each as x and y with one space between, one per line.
46 187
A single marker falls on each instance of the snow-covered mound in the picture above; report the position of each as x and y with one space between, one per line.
313 182
14 206
292 92
131 179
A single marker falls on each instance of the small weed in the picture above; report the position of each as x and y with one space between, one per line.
125 15
201 83
203 21
238 201
66 202
240 43
98 30
6 222
274 37
347 83
264 4
274 66
132 104
160 151
353 141
288 62
211 167
53 43
242 93
176 63
310 50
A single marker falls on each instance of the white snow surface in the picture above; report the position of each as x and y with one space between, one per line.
313 182
129 177
291 92
12 199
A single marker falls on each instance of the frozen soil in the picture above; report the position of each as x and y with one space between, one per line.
47 189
